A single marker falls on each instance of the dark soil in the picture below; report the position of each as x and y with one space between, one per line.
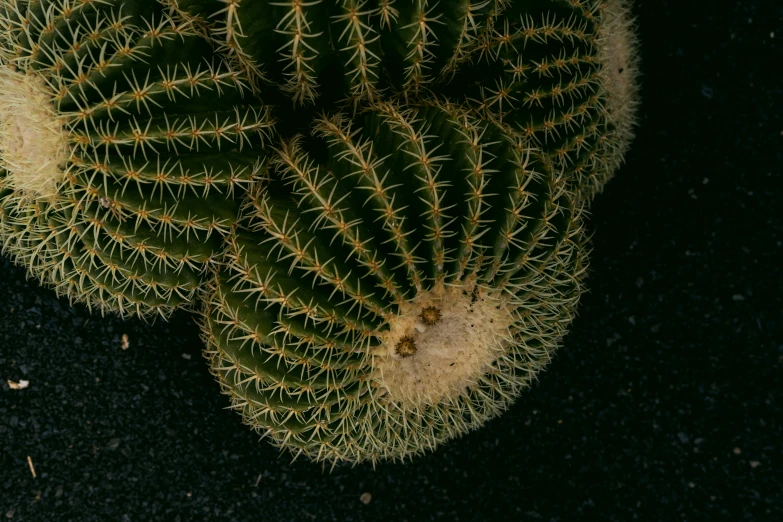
664 404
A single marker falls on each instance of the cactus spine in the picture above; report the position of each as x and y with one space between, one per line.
124 142
399 281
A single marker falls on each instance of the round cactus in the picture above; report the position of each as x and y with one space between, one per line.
563 75
123 140
404 275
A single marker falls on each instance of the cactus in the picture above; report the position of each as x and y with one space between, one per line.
563 75
405 271
401 278
124 144
350 47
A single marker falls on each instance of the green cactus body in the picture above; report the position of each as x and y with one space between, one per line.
404 275
563 75
352 48
123 143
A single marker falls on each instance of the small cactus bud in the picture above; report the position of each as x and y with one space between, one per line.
430 315
406 346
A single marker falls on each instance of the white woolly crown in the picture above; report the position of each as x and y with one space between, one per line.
33 145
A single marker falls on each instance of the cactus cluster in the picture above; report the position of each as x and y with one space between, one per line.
374 204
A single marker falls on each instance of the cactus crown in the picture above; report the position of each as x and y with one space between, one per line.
32 141
441 342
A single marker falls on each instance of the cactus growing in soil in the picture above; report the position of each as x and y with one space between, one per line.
401 278
123 141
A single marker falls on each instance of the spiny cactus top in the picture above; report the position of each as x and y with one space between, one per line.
399 281
123 140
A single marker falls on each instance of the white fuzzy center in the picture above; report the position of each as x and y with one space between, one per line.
618 46
33 146
451 354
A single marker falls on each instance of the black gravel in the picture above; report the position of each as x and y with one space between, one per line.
665 403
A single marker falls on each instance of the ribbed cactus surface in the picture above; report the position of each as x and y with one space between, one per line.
402 277
125 144
561 74
351 47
